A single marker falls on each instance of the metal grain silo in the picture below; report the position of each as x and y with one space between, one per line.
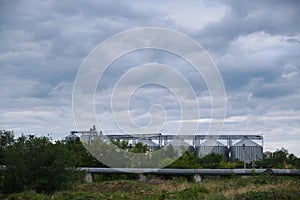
207 148
246 150
180 145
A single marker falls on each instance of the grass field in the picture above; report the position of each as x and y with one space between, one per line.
256 187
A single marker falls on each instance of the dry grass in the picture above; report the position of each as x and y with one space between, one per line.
233 187
172 186
209 188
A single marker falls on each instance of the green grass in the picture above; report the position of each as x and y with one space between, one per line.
221 188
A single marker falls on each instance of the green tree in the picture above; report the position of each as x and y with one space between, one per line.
139 148
292 160
120 144
83 157
6 139
279 157
186 160
38 164
211 160
170 152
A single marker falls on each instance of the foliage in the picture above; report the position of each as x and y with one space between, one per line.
31 194
187 160
119 153
97 178
280 159
268 194
38 164
254 195
194 192
83 157
137 148
6 139
212 160
211 188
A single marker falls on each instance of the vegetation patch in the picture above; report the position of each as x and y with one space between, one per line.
38 168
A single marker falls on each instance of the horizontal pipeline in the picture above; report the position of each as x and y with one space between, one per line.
224 172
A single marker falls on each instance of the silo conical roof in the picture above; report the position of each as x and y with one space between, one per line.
148 142
246 142
179 142
206 143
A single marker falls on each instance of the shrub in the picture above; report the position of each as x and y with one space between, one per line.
27 195
38 164
195 192
254 195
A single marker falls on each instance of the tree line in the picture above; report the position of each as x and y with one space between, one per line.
38 163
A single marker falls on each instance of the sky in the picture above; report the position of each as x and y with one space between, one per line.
254 44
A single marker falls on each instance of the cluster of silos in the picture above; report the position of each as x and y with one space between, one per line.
243 150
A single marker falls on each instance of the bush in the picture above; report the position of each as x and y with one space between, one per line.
27 195
195 192
254 195
97 178
38 164
6 139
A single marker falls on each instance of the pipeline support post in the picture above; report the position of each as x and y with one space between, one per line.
142 178
197 178
88 177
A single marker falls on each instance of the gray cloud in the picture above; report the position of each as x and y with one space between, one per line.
255 44
246 17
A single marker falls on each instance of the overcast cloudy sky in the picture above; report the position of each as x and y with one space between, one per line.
255 45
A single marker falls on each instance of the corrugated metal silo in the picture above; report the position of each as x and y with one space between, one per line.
207 148
246 150
180 145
